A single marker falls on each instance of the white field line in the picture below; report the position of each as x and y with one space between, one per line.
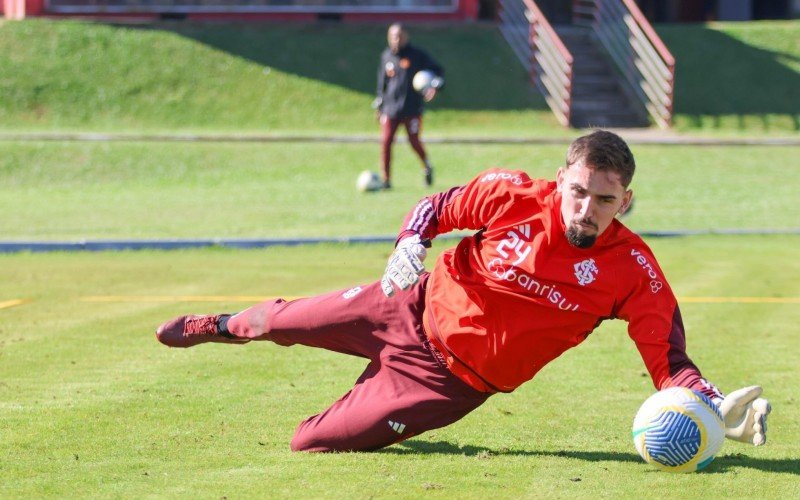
256 298
12 303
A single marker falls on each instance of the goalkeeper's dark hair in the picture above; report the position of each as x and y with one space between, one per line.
603 150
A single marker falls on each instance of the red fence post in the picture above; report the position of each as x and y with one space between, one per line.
532 44
35 7
468 8
14 9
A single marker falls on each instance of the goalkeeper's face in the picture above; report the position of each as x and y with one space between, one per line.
590 199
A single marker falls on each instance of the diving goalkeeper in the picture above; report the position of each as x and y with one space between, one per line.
549 261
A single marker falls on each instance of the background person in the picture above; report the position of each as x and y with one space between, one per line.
549 262
397 101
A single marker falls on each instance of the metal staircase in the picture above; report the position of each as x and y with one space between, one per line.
608 69
598 97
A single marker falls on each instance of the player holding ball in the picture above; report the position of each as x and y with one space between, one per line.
399 102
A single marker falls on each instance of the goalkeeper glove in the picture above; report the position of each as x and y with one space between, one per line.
404 266
745 415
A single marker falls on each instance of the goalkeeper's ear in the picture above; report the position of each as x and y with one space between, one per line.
627 202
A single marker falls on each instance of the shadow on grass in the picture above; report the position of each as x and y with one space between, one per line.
721 464
726 81
718 75
481 70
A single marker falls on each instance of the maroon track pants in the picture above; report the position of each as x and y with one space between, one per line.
405 390
389 128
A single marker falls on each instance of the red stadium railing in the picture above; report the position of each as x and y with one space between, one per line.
645 62
551 64
541 51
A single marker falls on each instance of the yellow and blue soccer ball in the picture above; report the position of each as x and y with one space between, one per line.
678 430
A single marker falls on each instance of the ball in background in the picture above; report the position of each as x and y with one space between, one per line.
425 79
678 430
368 181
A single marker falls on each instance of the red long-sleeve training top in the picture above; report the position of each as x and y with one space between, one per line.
515 295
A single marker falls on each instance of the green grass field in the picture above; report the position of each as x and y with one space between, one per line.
93 406
59 75
749 82
72 191
256 78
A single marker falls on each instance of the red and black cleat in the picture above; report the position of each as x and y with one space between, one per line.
188 331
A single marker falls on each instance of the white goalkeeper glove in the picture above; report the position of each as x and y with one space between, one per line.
404 266
745 415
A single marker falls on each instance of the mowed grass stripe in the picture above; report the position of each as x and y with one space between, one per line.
12 303
182 298
252 298
81 192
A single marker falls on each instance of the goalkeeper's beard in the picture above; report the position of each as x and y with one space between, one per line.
578 238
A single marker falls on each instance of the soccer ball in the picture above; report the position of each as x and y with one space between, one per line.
368 181
678 430
425 79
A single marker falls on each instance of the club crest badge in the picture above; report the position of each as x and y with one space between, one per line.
586 271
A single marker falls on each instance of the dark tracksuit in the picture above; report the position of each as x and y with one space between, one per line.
399 102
